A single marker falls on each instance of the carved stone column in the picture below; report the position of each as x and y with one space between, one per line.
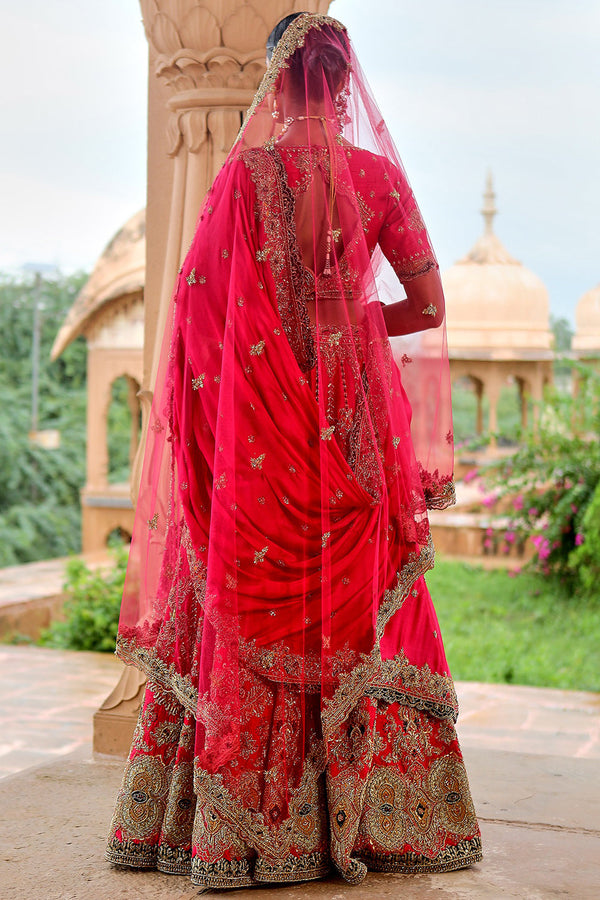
206 60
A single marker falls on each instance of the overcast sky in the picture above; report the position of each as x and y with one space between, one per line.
466 86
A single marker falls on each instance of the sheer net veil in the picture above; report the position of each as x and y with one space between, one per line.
281 530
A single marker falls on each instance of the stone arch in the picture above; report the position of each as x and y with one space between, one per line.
119 531
471 384
123 387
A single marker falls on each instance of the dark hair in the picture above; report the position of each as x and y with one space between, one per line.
277 32
320 65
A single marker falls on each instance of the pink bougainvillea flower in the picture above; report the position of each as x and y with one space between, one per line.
489 500
518 502
532 512
512 573
488 544
544 550
470 475
510 537
579 539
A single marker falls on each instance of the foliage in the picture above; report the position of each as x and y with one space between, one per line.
553 476
563 334
55 296
585 558
91 608
39 488
515 629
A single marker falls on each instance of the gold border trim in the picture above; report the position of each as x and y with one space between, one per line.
292 38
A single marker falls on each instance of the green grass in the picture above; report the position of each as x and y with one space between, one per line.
516 630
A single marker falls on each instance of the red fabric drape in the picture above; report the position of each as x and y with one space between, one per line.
281 531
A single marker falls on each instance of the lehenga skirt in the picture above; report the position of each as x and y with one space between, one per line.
394 798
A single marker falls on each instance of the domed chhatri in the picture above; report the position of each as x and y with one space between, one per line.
118 273
498 322
586 340
495 306
109 312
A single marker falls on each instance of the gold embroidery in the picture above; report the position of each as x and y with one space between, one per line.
393 598
430 310
198 382
191 278
259 555
395 441
326 433
153 522
415 220
257 349
293 38
261 255
257 461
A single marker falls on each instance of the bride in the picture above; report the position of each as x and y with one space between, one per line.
299 710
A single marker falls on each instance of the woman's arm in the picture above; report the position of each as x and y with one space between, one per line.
405 243
423 308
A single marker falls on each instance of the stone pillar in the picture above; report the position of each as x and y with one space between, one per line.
524 393
493 387
206 60
97 410
479 394
133 403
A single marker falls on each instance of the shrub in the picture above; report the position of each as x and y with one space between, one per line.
553 477
585 558
93 600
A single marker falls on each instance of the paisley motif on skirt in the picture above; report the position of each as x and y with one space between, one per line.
393 796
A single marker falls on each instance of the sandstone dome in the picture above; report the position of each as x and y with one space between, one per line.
586 340
119 273
496 308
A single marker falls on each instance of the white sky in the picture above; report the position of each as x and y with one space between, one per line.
465 85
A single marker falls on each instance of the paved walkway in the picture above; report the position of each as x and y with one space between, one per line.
532 757
47 700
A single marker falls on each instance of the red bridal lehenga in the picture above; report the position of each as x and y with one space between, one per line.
299 711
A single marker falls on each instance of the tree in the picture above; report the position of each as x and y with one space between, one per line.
39 489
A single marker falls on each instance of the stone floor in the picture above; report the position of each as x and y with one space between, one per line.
532 757
47 700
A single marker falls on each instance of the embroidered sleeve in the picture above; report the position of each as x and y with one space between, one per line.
403 236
